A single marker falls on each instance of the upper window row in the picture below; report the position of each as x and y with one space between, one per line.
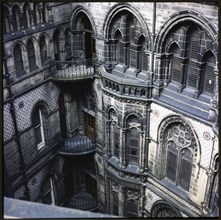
20 56
18 19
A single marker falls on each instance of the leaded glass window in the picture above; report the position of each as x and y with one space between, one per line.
18 59
31 55
179 156
43 50
48 191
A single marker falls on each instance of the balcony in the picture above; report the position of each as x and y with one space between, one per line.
79 145
73 70
83 201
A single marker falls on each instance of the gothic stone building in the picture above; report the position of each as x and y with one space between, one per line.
112 107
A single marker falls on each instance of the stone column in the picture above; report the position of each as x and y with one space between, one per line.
31 15
107 138
142 153
123 148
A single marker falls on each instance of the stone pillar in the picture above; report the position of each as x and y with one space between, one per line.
123 148
41 13
50 15
107 138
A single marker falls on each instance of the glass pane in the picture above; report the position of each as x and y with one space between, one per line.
185 174
38 134
47 198
171 166
132 209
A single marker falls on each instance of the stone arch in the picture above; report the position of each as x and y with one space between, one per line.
113 11
74 18
130 113
185 16
191 144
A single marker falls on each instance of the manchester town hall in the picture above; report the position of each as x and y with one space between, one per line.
111 108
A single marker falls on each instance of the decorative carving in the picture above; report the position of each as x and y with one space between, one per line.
206 136
164 211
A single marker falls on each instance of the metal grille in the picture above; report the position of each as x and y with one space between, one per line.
176 74
209 81
192 75
145 62
194 48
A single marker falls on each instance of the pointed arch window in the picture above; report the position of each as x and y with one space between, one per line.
208 76
119 53
15 19
19 68
193 69
39 128
179 156
142 56
176 71
31 55
43 50
48 196
26 17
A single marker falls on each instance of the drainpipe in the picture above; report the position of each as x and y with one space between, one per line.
17 136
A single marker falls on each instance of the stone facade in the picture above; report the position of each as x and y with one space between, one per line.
138 81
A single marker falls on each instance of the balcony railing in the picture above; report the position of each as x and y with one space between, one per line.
73 70
79 145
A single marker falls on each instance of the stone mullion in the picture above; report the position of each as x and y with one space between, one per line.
184 68
168 68
41 14
38 56
142 152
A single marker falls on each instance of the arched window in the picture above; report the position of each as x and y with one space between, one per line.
6 26
133 140
31 55
57 49
179 155
43 50
193 54
38 125
15 18
130 34
48 191
142 56
176 71
19 68
26 17
114 134
119 54
208 77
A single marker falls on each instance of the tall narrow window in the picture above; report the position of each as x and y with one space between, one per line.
48 191
68 43
175 63
39 129
179 156
194 40
31 55
133 146
142 56
15 19
208 78
18 60
43 50
118 52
